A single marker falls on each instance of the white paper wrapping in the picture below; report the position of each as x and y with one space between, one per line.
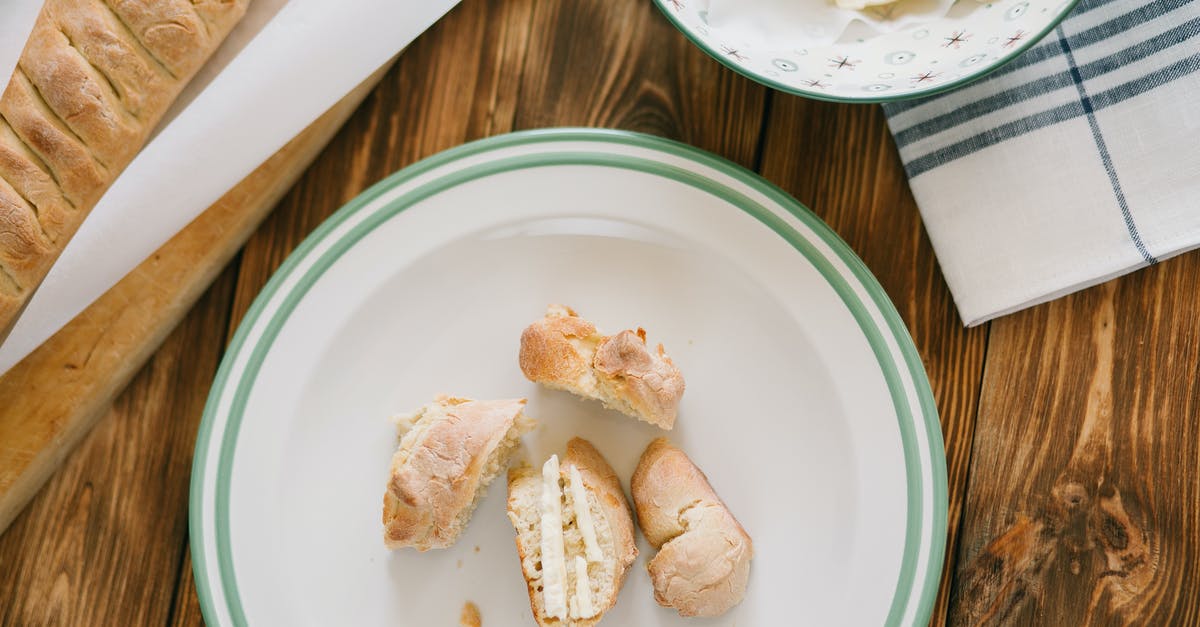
287 63
16 20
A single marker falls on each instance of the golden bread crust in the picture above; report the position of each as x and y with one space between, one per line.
91 84
703 563
435 480
566 352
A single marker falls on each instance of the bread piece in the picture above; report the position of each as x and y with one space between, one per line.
450 450
605 553
704 554
93 81
565 352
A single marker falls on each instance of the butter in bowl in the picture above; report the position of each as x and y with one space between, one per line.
864 50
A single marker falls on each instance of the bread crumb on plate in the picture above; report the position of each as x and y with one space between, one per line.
470 616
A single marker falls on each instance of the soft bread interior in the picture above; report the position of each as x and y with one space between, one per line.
496 462
525 512
411 428
581 380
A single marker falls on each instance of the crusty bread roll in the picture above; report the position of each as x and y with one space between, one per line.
92 82
558 540
450 450
704 554
565 352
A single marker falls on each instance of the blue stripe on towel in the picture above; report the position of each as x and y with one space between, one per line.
1105 157
1101 32
1068 111
1050 83
1105 30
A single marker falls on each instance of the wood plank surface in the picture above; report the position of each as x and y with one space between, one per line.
102 542
1084 499
1070 429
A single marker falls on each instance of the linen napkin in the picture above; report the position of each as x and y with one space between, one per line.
1077 162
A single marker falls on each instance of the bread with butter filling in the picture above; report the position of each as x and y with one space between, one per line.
574 535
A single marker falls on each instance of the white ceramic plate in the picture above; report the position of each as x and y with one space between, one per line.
806 402
973 39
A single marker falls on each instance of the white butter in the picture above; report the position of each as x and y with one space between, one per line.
554 564
583 517
581 605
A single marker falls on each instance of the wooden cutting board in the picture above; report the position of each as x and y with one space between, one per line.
50 400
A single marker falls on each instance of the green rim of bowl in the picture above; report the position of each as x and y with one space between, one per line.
915 526
955 84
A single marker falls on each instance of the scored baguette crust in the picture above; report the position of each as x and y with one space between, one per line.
566 352
440 471
703 562
601 482
93 80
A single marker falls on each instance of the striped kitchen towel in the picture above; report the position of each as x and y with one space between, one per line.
1077 162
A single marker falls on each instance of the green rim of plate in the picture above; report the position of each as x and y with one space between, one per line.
915 525
955 84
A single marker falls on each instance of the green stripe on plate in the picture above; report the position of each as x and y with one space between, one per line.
907 587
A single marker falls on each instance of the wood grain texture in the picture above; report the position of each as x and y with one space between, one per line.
453 84
839 160
1075 499
56 394
622 65
102 542
1084 500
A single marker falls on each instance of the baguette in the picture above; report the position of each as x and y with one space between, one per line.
566 352
93 80
703 560
449 451
578 586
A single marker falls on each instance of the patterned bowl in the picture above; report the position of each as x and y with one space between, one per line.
940 54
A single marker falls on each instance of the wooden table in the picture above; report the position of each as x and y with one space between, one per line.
1071 429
